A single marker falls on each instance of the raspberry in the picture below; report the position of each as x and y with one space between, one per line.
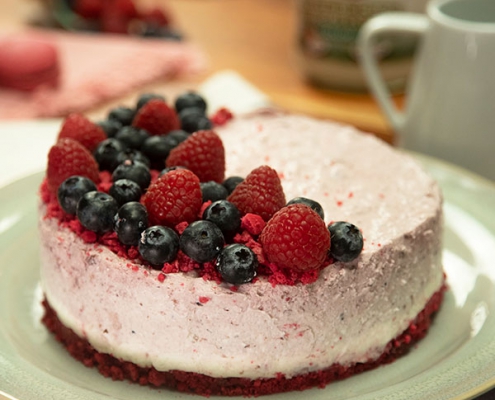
68 158
78 127
174 197
157 118
260 193
156 16
90 9
203 154
296 237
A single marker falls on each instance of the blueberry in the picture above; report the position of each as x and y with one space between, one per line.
177 136
145 97
135 171
190 100
132 137
130 221
157 149
231 183
168 169
225 215
346 241
213 191
106 154
314 205
161 32
124 191
202 241
71 190
110 126
158 245
96 211
124 115
134 155
237 264
193 120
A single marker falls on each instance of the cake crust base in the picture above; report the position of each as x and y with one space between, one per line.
190 382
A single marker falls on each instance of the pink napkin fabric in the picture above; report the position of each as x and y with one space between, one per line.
95 68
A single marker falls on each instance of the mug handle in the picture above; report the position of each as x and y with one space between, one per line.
389 22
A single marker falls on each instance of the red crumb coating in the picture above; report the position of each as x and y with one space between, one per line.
190 382
221 117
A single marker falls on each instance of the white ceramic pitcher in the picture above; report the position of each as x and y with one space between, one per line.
450 98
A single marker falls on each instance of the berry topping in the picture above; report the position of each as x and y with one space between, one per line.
173 198
168 169
67 158
193 120
203 154
224 215
135 171
213 191
130 221
260 193
231 183
107 152
190 100
71 190
96 211
156 117
132 137
202 241
221 117
296 237
314 205
145 97
110 127
346 241
78 127
158 245
237 264
124 115
125 191
177 136
157 149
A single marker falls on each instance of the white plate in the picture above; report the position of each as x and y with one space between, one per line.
455 361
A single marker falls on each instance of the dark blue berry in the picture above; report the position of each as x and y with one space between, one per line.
237 264
130 221
168 169
157 149
190 100
132 137
162 32
231 183
225 215
314 205
125 191
96 211
193 120
158 245
145 97
110 127
213 191
107 152
135 171
177 136
124 115
346 241
134 155
71 190
202 241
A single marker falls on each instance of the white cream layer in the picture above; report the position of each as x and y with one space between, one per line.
348 315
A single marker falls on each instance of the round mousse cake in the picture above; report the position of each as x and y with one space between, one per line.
293 325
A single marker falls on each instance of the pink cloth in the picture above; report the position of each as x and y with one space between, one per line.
97 68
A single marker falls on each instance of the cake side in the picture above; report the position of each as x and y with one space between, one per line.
348 315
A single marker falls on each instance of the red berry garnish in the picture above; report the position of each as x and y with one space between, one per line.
78 127
68 158
296 237
221 117
157 118
260 193
90 9
174 197
203 154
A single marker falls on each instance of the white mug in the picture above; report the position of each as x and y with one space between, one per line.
450 98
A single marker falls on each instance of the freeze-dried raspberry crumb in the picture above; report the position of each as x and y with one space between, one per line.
204 299
253 224
221 117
